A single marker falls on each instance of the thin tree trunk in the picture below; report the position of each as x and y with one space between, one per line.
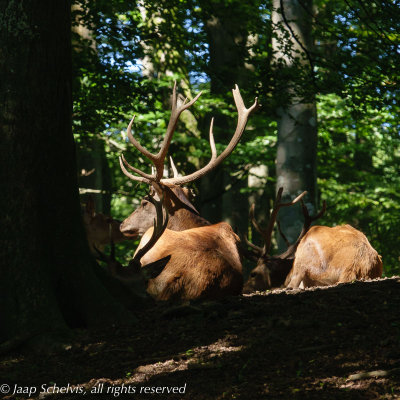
297 119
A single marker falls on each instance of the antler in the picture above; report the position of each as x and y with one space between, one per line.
285 239
255 251
173 167
306 226
160 224
158 159
267 232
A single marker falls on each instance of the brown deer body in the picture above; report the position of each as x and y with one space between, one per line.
326 256
205 263
205 260
190 240
320 256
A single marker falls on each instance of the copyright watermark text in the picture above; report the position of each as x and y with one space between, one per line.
101 388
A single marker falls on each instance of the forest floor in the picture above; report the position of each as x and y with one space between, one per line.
339 342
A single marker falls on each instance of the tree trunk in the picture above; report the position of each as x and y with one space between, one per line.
297 119
47 273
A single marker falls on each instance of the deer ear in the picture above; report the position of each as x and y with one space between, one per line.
152 270
182 197
176 193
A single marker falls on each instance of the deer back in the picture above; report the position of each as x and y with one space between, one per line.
205 263
327 256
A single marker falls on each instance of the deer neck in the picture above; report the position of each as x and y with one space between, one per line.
183 219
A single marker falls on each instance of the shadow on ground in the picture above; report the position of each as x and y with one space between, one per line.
276 345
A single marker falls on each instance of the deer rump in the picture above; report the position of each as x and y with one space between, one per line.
205 263
327 256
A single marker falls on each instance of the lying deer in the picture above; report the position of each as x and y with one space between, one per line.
137 275
271 271
320 256
99 227
326 256
205 260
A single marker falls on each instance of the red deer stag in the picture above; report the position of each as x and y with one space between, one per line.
326 256
205 260
320 256
137 275
99 227
271 271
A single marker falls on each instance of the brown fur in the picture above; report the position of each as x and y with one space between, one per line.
175 201
205 260
205 263
326 256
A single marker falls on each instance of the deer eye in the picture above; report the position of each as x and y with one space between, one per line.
253 274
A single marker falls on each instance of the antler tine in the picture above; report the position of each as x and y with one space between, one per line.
142 149
173 167
243 115
282 234
258 228
272 218
257 249
274 213
309 220
152 157
212 142
159 158
306 226
143 178
252 254
160 224
175 113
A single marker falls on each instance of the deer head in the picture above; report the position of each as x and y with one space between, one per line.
177 201
271 271
135 275
183 214
100 228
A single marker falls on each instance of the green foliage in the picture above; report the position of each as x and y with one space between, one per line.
358 50
353 69
359 169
